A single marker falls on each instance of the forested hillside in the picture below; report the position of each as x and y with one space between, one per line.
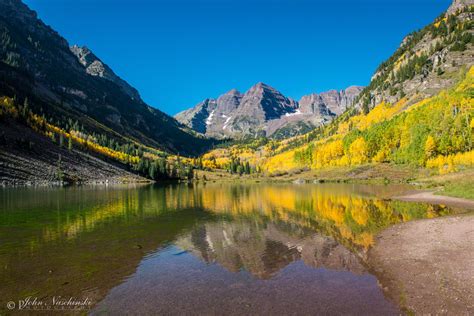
35 149
435 132
418 110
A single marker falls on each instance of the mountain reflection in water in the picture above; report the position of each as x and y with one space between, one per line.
265 249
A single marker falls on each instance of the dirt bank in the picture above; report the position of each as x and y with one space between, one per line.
431 197
427 266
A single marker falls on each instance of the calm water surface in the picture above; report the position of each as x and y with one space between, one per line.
200 249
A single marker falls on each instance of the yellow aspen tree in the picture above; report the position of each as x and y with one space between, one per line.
358 151
430 147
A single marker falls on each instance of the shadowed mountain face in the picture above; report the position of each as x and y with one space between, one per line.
95 67
264 111
64 82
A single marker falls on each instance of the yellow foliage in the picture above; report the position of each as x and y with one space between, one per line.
90 143
382 155
221 158
379 113
222 162
358 151
399 62
448 164
7 107
38 124
437 24
281 162
468 82
430 147
365 239
209 163
329 154
344 128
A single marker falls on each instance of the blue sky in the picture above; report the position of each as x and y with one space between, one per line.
179 52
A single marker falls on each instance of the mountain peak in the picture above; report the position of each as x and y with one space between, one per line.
331 102
261 85
261 89
354 88
233 92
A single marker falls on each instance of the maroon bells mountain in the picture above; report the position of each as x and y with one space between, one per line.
264 111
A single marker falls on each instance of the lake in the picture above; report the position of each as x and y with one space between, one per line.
213 248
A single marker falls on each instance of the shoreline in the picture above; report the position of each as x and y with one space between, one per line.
431 198
427 266
414 195
58 184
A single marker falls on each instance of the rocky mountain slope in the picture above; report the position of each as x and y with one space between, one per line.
95 67
427 61
70 83
264 111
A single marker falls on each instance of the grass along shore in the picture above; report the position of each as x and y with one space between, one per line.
459 184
